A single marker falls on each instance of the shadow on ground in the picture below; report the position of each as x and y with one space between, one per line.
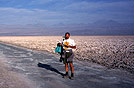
49 67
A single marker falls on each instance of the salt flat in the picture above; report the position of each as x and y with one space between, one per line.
110 51
37 69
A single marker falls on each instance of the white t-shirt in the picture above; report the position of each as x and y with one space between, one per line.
68 42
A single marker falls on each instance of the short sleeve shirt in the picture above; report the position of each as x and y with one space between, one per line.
68 42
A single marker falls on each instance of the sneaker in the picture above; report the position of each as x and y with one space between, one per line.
66 75
72 76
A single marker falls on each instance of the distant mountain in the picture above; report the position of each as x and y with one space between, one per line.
106 24
100 27
103 32
106 27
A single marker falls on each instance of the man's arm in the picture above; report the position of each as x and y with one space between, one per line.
74 47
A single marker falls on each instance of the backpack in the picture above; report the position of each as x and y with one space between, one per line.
58 49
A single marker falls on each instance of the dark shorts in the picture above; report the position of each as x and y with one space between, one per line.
68 56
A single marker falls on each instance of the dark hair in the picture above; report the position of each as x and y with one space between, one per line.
67 33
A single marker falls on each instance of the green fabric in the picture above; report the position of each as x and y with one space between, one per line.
68 54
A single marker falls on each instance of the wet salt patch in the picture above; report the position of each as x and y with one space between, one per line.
88 72
32 73
61 64
15 61
49 75
94 80
56 62
29 54
78 72
53 57
43 62
16 64
9 62
6 47
20 68
76 64
2 55
127 81
86 68
62 71
120 73
11 56
28 59
18 52
32 70
19 62
47 60
108 78
23 55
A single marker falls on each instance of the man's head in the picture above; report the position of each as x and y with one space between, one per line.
67 35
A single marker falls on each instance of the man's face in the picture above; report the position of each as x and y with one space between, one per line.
67 36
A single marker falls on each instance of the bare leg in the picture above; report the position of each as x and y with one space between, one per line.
71 67
66 67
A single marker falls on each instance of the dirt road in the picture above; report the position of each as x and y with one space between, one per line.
43 70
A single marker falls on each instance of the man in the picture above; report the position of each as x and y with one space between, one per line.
68 44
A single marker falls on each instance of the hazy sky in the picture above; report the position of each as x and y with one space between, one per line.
52 12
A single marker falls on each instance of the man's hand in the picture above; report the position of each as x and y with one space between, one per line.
60 43
74 47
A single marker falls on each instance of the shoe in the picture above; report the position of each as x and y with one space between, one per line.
72 76
66 75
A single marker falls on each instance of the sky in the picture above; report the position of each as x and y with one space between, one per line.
60 12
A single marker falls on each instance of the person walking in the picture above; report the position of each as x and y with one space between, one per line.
68 44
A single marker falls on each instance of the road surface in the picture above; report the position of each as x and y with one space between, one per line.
45 71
